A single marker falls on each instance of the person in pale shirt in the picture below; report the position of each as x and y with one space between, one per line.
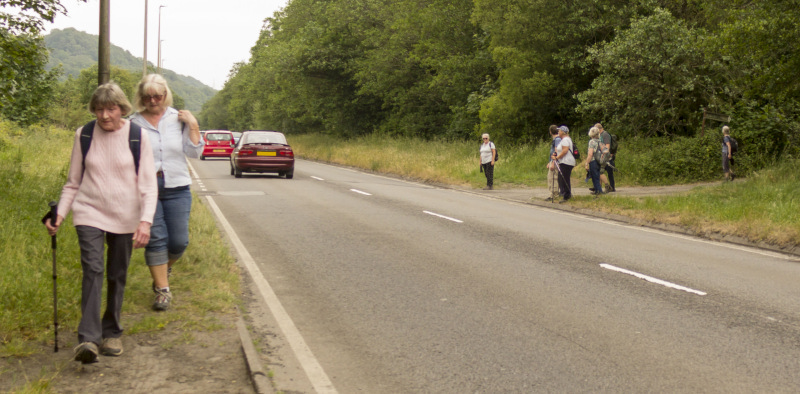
175 135
111 204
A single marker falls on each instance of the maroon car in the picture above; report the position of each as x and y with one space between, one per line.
262 152
219 143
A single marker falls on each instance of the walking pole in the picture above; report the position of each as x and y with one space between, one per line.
561 174
553 182
53 214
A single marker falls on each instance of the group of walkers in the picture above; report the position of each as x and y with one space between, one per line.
599 162
127 202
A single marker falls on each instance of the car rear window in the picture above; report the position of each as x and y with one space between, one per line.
265 138
218 136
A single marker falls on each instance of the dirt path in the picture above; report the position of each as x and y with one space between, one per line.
171 361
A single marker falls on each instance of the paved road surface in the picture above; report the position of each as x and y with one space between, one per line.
400 287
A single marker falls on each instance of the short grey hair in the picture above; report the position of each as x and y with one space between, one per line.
485 135
593 132
107 95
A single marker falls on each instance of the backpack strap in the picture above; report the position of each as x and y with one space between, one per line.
86 141
135 141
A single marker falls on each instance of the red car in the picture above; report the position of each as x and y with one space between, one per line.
219 143
262 152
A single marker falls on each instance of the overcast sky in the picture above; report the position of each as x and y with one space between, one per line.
200 38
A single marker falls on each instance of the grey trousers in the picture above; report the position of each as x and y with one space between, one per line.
120 247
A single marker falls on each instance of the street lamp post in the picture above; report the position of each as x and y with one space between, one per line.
144 57
159 37
160 60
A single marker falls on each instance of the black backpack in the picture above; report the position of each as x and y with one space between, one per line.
496 153
734 145
614 144
134 141
575 152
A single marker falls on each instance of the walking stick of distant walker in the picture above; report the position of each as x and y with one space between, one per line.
52 216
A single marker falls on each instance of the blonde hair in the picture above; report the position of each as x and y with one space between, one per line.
593 132
109 94
726 130
152 82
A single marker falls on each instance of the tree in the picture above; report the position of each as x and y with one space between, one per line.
70 101
653 78
25 85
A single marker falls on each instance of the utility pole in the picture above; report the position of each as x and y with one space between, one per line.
144 57
104 47
159 38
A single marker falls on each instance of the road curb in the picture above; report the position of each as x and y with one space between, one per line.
261 382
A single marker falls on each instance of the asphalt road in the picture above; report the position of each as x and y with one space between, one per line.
400 287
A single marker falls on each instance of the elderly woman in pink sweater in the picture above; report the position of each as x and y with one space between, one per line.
112 203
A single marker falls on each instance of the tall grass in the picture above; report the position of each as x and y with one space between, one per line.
450 162
640 161
33 168
763 208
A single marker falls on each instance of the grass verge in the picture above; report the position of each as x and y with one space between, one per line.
204 280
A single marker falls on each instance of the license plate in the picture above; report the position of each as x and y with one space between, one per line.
265 154
219 150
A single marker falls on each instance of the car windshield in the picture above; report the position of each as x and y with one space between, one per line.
264 138
218 136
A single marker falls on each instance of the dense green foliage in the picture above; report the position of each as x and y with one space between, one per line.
456 68
74 51
25 85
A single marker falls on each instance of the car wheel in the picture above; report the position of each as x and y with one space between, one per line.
237 173
290 174
202 157
232 171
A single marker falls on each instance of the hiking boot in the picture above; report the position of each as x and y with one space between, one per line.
163 298
86 353
111 347
487 188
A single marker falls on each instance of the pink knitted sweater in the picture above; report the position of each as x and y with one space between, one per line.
109 195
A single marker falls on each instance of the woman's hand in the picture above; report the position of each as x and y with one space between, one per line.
186 116
142 235
52 230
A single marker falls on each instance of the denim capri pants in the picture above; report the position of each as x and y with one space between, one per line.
169 234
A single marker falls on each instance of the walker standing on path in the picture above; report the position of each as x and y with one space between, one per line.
566 162
552 165
729 147
487 152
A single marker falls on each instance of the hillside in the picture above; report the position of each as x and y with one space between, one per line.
76 50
